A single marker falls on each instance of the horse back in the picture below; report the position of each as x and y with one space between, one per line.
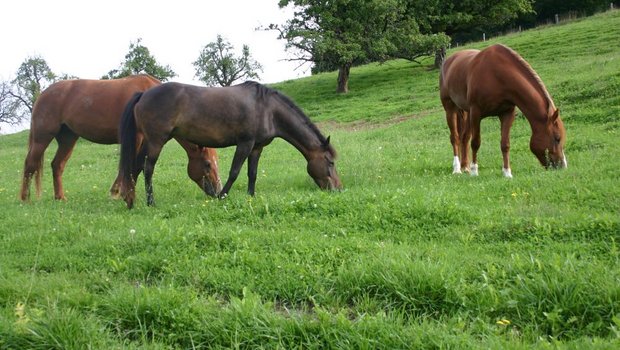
207 116
89 108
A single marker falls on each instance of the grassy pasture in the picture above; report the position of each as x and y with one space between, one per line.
407 256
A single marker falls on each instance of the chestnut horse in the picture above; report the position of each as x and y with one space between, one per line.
70 109
248 115
475 84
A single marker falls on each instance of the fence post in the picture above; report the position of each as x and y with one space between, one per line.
484 36
557 18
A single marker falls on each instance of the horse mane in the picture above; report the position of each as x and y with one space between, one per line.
262 92
538 82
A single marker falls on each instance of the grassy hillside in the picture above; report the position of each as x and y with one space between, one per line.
407 256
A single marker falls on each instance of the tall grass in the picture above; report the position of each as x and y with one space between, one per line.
407 256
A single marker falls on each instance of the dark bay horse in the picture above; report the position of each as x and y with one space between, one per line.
92 109
475 84
248 115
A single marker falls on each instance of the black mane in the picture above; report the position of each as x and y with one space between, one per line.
262 92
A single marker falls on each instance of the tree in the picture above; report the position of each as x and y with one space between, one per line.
33 76
217 64
9 106
139 60
466 19
458 17
18 96
344 33
547 9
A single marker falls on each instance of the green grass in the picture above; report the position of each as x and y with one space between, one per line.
407 256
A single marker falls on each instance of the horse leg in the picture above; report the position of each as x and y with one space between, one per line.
152 154
115 189
253 169
475 140
506 120
33 164
241 154
451 118
465 137
66 140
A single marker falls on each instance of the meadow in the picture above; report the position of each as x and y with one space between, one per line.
406 256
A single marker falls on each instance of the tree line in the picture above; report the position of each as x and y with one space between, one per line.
216 65
337 35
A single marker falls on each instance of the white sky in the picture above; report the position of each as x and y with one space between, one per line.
89 38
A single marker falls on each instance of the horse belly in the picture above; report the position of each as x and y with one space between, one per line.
208 136
97 129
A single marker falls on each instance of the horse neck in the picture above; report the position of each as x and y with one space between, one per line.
531 96
296 130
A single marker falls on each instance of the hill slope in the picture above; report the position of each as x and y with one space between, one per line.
407 256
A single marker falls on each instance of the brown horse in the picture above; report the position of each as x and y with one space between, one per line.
248 115
70 109
475 84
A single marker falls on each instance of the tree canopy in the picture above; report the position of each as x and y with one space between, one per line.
33 76
18 96
343 33
139 60
217 64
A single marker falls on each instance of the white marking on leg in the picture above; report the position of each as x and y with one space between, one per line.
456 165
507 173
564 160
473 170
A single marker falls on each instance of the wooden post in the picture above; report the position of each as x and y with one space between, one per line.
557 18
484 36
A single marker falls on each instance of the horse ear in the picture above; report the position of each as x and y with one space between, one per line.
326 143
555 115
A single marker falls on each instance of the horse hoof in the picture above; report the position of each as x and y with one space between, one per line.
473 171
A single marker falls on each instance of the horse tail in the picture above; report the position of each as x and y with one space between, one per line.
38 169
31 169
128 136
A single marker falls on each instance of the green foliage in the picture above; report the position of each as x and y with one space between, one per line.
406 256
463 16
33 76
139 61
17 97
9 106
547 9
217 65
342 34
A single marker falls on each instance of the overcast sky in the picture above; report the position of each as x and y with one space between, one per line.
89 38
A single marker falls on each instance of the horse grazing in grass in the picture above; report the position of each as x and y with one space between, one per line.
248 115
475 84
70 109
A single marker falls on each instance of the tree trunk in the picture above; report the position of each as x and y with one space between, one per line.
440 56
343 78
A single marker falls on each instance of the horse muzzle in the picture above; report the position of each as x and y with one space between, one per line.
209 189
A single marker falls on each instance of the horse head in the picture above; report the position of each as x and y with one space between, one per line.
322 169
205 172
548 143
